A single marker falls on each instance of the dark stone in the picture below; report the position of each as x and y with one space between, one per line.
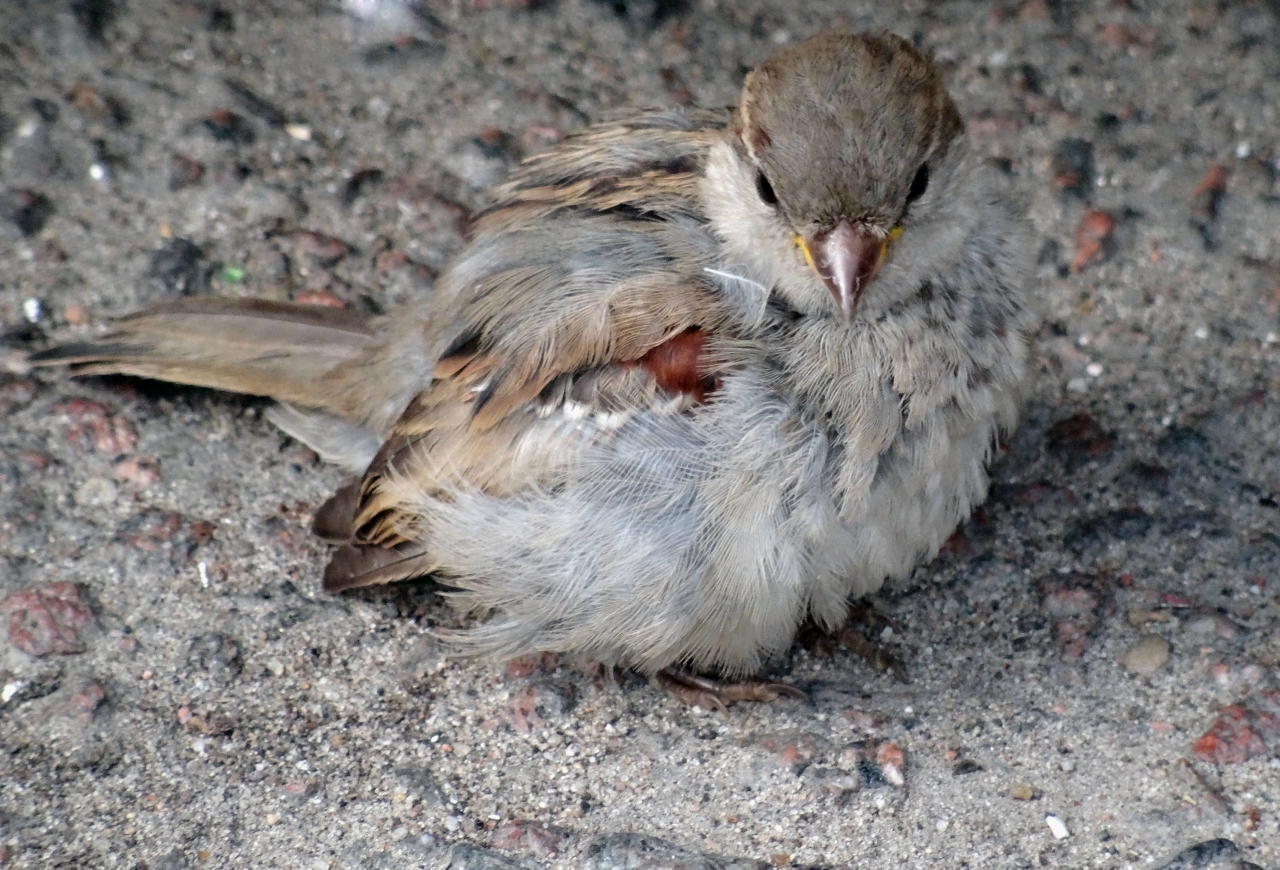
215 653
179 269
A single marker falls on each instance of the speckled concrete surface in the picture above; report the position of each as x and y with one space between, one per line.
1098 645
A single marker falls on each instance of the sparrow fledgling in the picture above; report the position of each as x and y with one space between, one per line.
698 377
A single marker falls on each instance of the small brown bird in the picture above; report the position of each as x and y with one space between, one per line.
698 377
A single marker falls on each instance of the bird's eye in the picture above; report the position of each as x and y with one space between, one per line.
765 189
919 184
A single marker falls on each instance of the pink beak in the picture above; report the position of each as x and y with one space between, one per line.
846 258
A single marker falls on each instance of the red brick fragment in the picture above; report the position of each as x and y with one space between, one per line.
1207 197
88 101
1242 731
1093 239
36 460
893 763
84 703
527 837
522 712
1230 740
1077 604
300 788
319 297
93 427
14 393
46 620
202 532
138 471
795 748
524 666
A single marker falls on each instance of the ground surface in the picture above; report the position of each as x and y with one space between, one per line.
191 698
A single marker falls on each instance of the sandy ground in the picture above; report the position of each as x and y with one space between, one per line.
1099 644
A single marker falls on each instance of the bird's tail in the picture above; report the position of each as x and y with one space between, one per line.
252 346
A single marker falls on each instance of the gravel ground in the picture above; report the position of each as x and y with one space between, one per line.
1095 657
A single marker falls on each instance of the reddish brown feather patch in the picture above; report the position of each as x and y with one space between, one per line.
678 365
760 139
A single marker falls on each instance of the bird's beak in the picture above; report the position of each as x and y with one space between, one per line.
846 258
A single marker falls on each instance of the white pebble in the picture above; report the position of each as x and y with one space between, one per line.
1093 370
32 310
1202 333
95 492
1057 827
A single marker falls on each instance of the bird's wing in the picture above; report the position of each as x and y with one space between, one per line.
580 301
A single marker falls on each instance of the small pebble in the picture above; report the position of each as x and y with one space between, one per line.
1140 616
96 492
48 619
1093 237
1202 625
1021 791
1057 827
138 471
1207 197
892 764
1146 655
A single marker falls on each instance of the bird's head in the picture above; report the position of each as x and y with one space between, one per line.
840 137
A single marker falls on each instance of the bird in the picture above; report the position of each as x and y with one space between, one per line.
698 378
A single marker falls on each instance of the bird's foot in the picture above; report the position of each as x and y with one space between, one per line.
711 694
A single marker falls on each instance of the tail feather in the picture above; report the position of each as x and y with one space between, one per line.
253 346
